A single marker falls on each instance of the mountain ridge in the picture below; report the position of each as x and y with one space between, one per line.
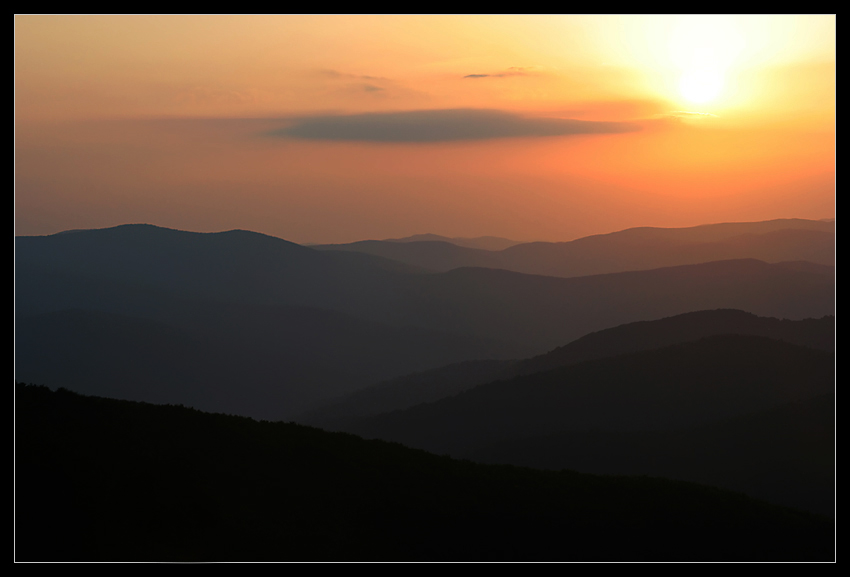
725 374
405 392
637 248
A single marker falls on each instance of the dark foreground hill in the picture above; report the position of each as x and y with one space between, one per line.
99 479
785 455
435 384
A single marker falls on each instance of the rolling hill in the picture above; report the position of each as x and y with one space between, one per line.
627 250
105 480
662 389
301 325
435 384
785 455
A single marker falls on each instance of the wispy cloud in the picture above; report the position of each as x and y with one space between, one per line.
512 71
441 126
687 114
344 75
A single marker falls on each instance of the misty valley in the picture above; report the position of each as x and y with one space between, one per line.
650 394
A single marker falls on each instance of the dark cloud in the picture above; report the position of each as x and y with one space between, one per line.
372 88
477 75
441 126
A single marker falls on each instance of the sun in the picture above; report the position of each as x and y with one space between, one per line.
701 85
705 49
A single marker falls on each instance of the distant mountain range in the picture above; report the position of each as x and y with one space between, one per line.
480 242
704 355
120 269
298 325
627 250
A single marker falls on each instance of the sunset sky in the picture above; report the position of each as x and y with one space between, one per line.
342 128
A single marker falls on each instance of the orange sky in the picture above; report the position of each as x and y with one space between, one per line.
340 128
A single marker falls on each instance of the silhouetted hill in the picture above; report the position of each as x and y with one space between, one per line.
785 455
261 361
378 319
479 242
626 250
670 388
105 480
647 335
546 312
113 270
643 248
433 255
239 266
432 385
404 392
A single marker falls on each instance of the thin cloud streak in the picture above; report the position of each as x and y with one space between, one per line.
441 126
512 71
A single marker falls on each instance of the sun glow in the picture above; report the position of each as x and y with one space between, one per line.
704 49
701 85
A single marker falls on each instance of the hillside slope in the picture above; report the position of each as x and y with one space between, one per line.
435 384
105 480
